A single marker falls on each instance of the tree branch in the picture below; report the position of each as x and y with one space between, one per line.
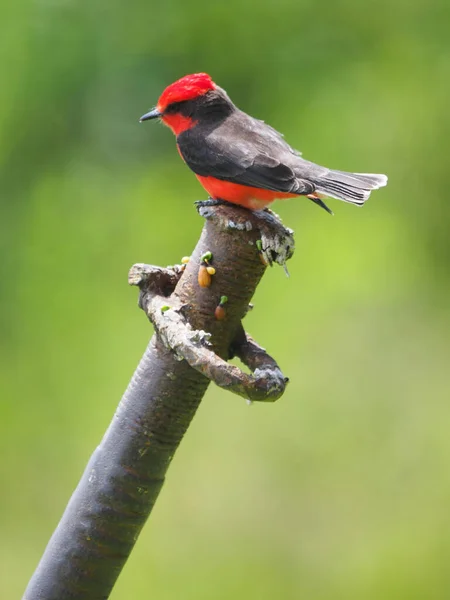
196 332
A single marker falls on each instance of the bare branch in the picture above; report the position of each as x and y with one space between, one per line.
192 342
267 382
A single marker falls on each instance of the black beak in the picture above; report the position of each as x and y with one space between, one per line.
153 114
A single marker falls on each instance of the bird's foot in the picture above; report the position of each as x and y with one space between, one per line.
211 202
275 243
271 212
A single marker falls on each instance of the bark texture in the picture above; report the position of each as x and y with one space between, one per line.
189 348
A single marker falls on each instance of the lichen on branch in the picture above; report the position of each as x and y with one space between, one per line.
197 330
170 315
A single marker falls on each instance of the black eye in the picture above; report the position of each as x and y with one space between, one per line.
175 107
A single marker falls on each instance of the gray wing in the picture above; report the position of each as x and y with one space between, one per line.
245 151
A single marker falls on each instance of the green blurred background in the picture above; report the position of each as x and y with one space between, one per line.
341 490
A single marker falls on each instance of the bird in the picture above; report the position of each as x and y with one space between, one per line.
242 160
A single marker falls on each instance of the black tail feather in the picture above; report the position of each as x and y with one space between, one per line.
350 187
320 203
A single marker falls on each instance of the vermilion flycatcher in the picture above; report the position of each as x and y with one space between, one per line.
242 160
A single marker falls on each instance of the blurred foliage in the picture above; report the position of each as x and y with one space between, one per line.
342 488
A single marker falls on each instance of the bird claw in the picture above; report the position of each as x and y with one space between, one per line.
276 243
211 202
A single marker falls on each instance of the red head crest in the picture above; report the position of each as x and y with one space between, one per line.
186 88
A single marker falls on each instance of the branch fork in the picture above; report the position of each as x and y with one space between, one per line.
167 314
170 314
198 328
